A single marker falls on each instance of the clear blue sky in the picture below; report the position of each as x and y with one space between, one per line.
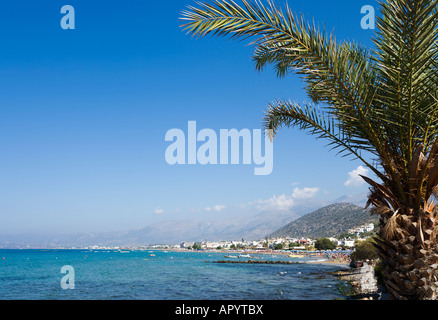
84 112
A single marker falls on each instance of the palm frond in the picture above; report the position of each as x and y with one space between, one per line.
316 122
383 102
406 58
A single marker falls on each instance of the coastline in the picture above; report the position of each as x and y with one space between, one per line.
363 283
105 275
321 256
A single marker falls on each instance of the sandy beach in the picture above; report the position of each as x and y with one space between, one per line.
337 258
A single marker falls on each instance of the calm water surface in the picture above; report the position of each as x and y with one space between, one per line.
136 275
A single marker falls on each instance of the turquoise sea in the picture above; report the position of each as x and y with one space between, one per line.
159 275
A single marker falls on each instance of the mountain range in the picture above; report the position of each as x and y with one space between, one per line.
254 226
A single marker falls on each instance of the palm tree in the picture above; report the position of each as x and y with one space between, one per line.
378 106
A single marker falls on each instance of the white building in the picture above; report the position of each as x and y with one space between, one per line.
184 245
348 243
362 229
213 245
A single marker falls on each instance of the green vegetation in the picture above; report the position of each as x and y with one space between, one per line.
365 250
325 244
379 273
293 245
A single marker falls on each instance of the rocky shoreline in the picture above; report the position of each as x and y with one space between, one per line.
363 283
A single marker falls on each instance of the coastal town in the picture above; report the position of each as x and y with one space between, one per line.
348 243
335 251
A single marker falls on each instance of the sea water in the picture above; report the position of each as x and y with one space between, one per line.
159 275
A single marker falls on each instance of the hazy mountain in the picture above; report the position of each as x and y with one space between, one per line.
254 226
358 199
328 221
251 227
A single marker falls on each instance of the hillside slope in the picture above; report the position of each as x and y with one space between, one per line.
328 221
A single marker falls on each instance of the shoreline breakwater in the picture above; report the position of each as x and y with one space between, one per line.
256 261
363 283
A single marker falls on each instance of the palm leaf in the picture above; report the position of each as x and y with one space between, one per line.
383 102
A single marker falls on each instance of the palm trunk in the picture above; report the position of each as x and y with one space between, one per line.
409 252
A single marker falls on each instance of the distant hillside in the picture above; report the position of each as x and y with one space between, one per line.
328 221
255 225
